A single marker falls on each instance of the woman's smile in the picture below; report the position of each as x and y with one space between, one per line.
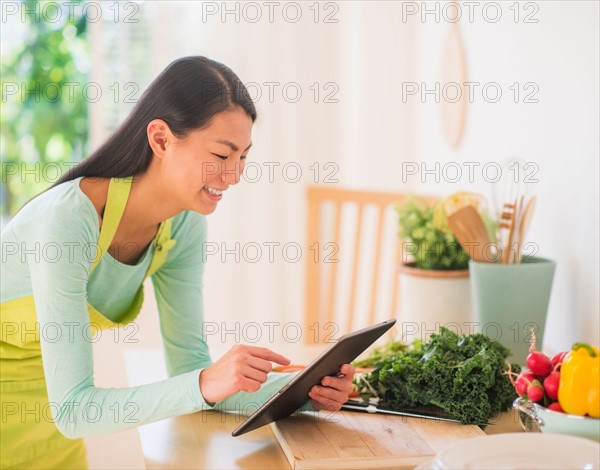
213 194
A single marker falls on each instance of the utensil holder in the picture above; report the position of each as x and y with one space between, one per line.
511 300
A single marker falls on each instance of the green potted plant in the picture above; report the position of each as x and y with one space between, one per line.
426 237
434 276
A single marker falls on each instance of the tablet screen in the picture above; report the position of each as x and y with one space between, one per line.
295 393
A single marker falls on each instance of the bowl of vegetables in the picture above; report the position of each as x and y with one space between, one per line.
534 417
561 395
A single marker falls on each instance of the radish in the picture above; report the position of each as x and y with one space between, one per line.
538 362
555 407
535 392
557 359
551 384
523 382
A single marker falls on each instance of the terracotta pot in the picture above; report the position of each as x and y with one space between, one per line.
430 299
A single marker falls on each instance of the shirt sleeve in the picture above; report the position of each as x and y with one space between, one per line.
178 291
59 285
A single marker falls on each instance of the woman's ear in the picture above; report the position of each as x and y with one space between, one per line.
159 136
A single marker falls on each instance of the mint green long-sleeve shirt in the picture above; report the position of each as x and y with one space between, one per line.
47 252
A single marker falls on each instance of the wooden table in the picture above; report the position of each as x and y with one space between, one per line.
203 440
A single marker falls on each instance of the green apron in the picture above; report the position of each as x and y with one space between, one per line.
28 436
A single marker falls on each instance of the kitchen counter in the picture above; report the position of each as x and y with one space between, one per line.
203 439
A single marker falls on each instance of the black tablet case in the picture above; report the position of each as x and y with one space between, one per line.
295 393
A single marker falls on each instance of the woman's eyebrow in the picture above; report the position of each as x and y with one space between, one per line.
234 147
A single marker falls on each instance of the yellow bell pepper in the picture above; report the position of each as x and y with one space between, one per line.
578 392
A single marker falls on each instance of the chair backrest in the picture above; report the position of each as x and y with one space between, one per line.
352 258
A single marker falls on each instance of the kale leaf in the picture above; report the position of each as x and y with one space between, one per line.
462 375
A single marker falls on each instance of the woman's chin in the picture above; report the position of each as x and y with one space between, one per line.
207 211
204 208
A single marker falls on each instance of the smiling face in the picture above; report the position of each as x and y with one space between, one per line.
201 166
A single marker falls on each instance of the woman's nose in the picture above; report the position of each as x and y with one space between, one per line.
231 173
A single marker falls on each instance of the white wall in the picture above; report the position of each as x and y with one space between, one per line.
560 133
370 132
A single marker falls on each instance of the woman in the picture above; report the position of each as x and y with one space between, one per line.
75 257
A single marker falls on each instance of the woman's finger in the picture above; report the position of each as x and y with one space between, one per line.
259 364
348 369
341 384
268 355
328 394
320 403
249 385
254 374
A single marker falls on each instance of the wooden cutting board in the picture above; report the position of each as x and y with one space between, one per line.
356 440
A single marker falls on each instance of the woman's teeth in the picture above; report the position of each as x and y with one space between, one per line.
214 192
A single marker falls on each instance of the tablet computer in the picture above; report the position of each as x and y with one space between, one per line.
295 393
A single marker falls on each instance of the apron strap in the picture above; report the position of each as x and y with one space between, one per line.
118 193
163 244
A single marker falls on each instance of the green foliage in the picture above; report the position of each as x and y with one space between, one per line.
44 125
388 349
463 375
431 247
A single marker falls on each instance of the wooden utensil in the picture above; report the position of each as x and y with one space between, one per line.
514 255
507 221
468 228
513 184
524 223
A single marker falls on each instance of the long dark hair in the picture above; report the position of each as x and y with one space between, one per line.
186 95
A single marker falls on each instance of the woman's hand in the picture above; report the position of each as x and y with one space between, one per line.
241 369
333 391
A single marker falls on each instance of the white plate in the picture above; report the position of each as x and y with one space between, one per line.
522 451
427 466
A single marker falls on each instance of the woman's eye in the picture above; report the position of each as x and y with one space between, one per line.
222 157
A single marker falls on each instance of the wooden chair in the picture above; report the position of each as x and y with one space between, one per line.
353 253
